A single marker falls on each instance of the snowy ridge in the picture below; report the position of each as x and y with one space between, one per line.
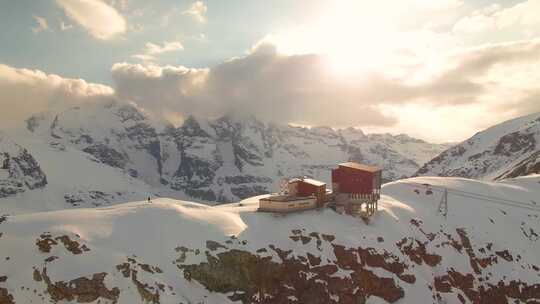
159 252
506 150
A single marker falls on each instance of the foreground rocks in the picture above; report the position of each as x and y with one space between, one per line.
317 268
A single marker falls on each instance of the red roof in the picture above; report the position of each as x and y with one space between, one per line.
358 166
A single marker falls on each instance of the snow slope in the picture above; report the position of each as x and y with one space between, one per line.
74 179
509 149
180 252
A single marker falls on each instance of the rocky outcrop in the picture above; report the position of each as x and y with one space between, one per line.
19 171
107 155
253 278
82 290
46 242
530 165
5 296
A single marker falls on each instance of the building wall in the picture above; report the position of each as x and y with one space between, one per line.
349 180
299 188
305 189
293 189
287 206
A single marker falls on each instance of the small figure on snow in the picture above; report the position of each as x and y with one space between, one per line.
149 201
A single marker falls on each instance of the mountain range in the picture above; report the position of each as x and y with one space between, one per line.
108 152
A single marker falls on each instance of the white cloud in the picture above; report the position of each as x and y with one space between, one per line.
144 57
120 4
26 92
522 19
101 20
197 11
497 80
300 89
151 50
41 25
154 49
64 26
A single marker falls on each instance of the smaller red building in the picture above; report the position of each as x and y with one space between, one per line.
304 187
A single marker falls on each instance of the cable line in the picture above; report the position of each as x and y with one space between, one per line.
477 196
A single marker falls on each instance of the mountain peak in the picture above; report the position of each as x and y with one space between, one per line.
508 149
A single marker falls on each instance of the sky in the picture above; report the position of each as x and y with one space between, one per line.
439 70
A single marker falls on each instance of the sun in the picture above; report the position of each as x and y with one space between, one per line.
350 40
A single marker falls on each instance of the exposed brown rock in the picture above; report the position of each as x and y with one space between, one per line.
313 260
505 255
83 290
125 269
145 291
72 246
37 275
51 258
212 245
5 297
305 239
45 243
328 237
476 263
295 238
183 252
477 292
248 276
417 252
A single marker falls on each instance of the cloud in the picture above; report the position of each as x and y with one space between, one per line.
197 11
497 80
151 50
300 89
144 57
101 20
26 92
521 19
41 25
64 26
154 49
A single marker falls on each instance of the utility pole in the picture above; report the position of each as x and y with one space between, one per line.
443 205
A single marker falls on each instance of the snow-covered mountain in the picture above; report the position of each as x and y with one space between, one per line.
210 160
484 251
506 150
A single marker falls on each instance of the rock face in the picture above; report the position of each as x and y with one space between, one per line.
19 171
507 150
224 159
